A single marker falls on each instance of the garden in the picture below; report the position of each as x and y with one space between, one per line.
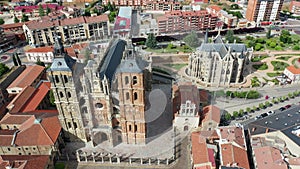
279 66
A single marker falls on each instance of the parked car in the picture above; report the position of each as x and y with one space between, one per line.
287 106
257 117
282 108
271 112
264 115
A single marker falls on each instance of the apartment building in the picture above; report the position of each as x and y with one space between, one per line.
132 3
228 19
292 73
263 10
184 21
160 5
295 7
71 30
218 63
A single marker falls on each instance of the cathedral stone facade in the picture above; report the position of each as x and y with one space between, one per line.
102 101
218 63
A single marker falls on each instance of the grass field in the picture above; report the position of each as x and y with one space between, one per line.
263 66
279 66
176 66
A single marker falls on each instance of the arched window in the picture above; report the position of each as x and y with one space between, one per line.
129 127
127 95
134 80
126 80
135 128
56 79
75 125
135 96
65 78
69 125
69 95
61 94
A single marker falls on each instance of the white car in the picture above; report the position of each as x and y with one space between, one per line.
270 112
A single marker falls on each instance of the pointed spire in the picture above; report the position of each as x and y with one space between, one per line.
58 46
206 36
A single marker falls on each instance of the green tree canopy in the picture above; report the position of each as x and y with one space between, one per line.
48 10
229 36
192 40
3 69
151 41
24 18
39 62
2 21
41 10
285 36
16 20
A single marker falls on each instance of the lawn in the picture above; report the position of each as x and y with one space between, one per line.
176 66
59 166
174 49
255 82
263 66
286 58
274 74
279 66
258 58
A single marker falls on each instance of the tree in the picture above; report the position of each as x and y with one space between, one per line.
296 47
229 36
87 12
1 21
48 10
285 36
261 105
112 16
258 46
248 109
96 11
24 18
151 41
15 60
3 69
39 62
267 104
235 114
18 60
254 108
192 40
241 112
41 10
16 20
227 116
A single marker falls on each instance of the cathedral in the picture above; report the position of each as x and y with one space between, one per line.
102 101
217 63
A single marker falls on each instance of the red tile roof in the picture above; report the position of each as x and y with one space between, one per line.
96 19
27 77
38 96
216 8
45 49
24 161
36 7
294 70
269 157
12 25
200 152
211 113
20 100
234 156
36 129
233 134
